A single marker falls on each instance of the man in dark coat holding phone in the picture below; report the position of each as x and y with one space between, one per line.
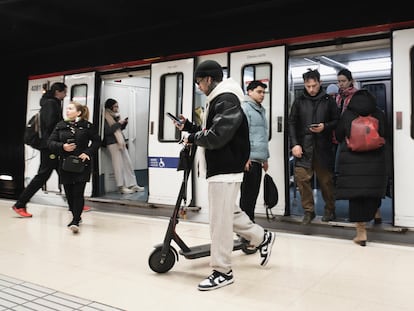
312 119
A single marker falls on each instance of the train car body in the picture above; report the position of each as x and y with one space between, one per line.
381 59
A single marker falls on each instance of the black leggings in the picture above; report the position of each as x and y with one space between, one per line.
76 200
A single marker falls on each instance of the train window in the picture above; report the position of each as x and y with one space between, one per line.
171 100
262 72
379 91
79 93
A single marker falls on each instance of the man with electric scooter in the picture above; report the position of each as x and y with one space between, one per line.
224 139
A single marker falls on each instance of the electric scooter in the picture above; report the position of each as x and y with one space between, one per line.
164 256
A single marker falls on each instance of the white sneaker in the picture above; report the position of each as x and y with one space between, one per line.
266 247
74 228
216 280
125 190
137 188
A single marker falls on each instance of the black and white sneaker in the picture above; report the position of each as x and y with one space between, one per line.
266 247
216 280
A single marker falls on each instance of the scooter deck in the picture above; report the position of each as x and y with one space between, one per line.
203 250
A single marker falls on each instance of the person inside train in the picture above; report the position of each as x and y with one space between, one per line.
346 89
312 119
78 137
50 115
115 142
259 146
362 176
332 89
224 131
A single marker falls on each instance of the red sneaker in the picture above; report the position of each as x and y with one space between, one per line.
86 208
21 211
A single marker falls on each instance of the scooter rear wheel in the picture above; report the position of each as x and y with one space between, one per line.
248 251
155 260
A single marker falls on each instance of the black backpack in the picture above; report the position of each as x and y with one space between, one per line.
32 133
270 195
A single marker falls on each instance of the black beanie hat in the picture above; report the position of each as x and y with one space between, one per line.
209 68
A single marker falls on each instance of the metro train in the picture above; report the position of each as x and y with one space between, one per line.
380 57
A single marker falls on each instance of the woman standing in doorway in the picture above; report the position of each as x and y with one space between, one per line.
115 142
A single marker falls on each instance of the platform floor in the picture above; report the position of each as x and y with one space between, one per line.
43 266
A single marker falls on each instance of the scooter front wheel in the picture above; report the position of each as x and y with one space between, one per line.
159 264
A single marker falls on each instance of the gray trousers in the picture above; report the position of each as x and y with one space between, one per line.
226 218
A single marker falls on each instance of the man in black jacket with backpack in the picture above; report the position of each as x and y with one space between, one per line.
50 115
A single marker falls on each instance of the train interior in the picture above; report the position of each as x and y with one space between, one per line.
370 64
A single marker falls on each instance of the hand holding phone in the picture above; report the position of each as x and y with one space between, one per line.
174 118
314 125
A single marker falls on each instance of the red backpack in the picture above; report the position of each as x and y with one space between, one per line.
364 134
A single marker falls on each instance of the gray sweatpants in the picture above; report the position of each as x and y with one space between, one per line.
226 217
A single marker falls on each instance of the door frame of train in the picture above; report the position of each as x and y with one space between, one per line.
164 181
131 90
403 146
276 57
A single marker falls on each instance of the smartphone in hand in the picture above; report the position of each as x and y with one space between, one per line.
314 125
174 118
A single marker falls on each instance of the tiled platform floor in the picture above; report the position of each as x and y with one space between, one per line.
105 267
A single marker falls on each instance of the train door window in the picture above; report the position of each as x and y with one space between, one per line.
379 91
263 73
171 100
79 93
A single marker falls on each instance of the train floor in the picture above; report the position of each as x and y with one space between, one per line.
44 266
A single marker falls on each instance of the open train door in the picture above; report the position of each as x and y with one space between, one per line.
403 146
172 89
268 65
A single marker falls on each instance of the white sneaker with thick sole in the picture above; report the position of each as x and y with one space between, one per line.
137 188
125 190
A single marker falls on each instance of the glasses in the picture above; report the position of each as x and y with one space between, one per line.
199 80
